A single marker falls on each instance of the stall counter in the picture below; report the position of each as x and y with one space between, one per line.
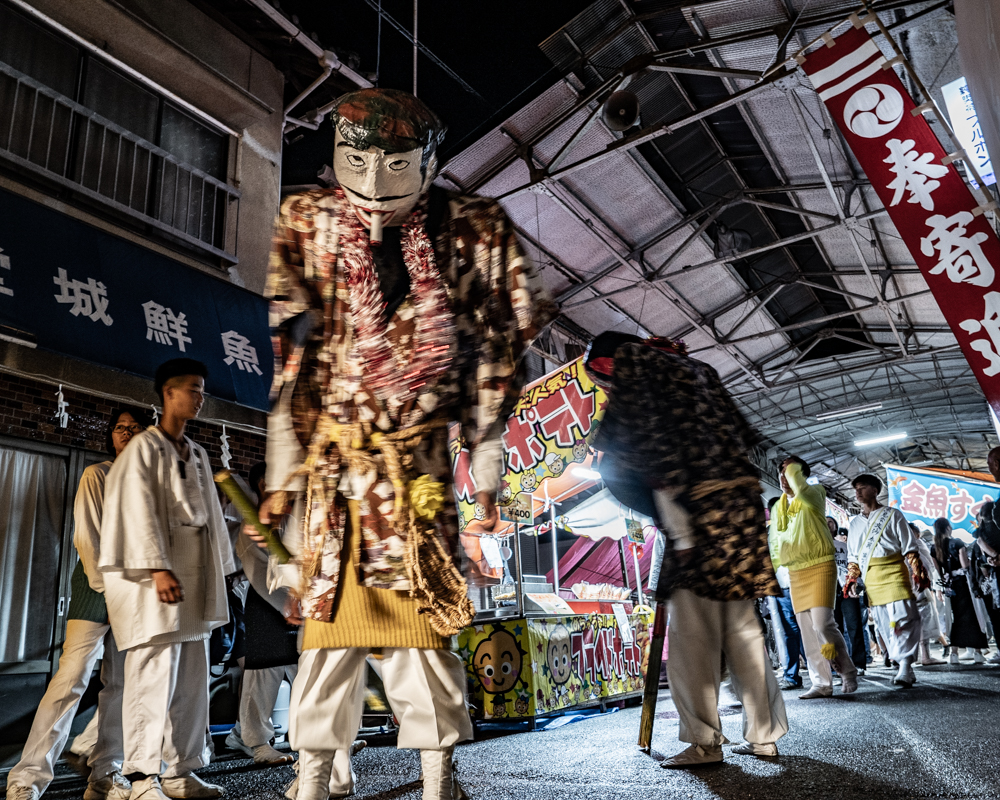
525 667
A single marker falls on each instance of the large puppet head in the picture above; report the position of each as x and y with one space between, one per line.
385 154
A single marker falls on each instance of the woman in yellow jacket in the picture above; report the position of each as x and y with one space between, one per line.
800 540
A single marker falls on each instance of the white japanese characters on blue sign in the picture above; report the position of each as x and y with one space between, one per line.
965 122
76 290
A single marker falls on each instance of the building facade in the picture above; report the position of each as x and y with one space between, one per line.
140 173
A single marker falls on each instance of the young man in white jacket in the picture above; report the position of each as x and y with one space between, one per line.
165 553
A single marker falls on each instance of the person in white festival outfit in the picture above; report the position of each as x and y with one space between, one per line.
88 633
165 553
883 557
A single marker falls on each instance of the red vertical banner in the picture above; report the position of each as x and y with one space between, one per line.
928 201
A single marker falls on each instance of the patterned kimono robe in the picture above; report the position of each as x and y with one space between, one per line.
671 426
354 437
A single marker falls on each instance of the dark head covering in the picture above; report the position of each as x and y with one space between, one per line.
390 120
176 367
599 361
600 358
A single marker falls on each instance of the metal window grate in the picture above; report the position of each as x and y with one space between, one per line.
56 137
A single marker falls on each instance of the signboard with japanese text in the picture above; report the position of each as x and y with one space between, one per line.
522 668
965 122
924 495
79 291
930 204
549 429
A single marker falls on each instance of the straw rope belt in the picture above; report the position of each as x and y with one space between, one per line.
436 585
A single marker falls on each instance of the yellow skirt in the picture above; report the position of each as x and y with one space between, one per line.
888 580
369 618
814 587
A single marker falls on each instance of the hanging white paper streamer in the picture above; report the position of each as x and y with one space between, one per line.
61 406
226 453
156 415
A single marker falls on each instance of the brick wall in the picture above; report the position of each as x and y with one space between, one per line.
28 411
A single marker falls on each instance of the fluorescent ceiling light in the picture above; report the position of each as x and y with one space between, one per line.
894 437
586 474
920 463
846 412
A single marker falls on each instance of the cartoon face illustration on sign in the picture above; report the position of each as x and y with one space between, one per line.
558 655
556 463
497 662
529 480
506 494
521 704
579 451
480 511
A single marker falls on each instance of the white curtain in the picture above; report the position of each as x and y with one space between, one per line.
32 489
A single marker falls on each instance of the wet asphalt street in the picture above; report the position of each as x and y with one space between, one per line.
940 739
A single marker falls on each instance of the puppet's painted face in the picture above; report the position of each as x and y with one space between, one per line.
558 656
386 184
497 662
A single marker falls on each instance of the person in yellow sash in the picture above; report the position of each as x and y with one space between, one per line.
800 540
883 556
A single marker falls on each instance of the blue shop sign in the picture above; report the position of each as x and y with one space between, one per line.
924 495
76 290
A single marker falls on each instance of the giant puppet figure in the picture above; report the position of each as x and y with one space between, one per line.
397 308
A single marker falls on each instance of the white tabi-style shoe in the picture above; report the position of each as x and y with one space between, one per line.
769 750
261 754
190 785
147 789
994 659
16 792
694 756
110 787
816 692
905 676
978 657
953 658
439 776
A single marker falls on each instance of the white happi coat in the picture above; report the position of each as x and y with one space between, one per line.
150 509
896 538
87 510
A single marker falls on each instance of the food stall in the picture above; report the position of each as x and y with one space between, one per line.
539 644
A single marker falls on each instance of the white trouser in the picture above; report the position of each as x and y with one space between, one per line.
899 624
54 717
929 625
260 693
700 631
166 708
85 741
425 688
818 627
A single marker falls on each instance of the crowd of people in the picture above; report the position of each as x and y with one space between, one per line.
898 589
398 309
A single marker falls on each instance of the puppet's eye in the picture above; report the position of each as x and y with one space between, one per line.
355 160
396 166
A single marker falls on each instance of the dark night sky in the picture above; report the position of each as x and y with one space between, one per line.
491 44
